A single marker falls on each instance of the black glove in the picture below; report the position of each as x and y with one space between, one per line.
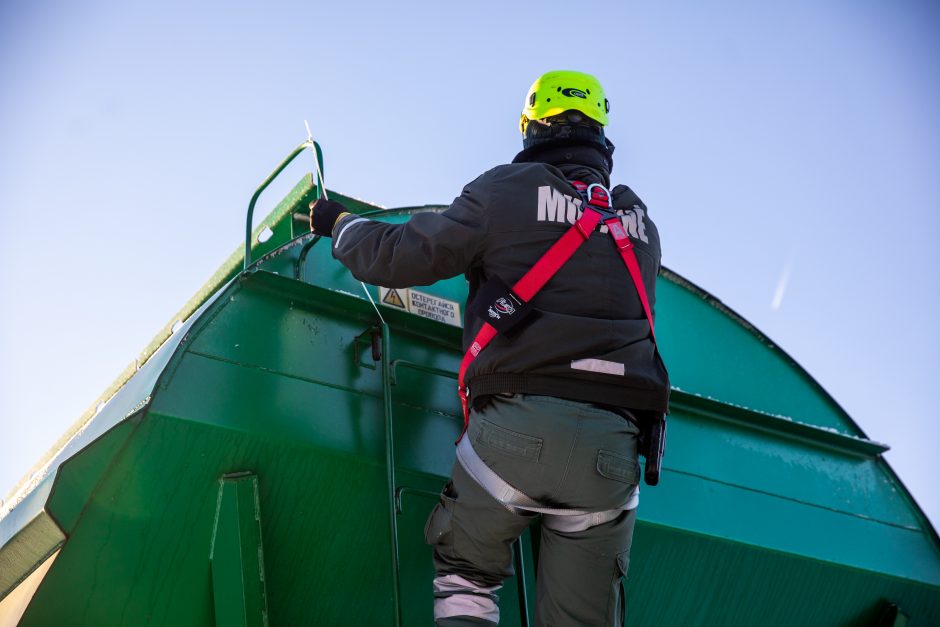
324 214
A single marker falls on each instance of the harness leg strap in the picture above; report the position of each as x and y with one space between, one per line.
559 519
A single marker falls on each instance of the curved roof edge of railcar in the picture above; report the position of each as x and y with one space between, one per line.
674 277
722 307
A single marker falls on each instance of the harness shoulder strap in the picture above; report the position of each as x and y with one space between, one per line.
625 247
597 206
526 288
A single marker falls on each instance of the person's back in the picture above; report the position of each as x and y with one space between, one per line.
588 312
552 432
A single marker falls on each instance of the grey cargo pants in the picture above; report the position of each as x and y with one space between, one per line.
563 454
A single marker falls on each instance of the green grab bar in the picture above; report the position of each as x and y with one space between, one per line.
254 199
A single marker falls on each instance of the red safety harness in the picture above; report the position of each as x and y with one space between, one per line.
597 208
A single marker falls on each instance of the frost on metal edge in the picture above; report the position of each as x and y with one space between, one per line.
777 416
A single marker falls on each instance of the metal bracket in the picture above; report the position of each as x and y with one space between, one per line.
370 339
235 554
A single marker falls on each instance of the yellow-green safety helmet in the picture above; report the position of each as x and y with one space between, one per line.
556 92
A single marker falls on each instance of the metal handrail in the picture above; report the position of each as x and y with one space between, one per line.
390 468
449 374
254 199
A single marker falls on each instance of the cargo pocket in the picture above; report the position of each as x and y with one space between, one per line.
623 564
507 441
437 530
618 610
617 467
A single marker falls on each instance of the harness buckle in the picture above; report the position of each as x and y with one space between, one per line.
598 198
598 195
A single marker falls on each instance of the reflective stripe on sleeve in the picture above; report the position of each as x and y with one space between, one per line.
346 226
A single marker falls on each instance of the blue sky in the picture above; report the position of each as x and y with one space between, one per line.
788 151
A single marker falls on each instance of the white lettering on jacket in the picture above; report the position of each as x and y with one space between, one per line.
553 206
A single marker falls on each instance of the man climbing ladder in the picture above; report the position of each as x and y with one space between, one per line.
562 372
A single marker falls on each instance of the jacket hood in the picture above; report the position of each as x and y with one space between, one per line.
585 161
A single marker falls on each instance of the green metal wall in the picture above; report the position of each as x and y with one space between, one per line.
773 508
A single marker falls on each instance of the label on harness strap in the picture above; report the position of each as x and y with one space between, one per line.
497 304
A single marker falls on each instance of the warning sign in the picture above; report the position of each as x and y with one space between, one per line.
393 299
421 304
434 308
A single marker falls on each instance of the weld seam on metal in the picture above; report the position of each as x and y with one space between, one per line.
279 372
795 500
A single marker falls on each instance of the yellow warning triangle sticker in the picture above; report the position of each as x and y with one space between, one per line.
393 299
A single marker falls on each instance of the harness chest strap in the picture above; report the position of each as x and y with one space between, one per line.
597 208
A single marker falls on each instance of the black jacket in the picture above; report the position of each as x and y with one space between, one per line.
591 340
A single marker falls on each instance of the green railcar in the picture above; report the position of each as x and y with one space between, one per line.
272 457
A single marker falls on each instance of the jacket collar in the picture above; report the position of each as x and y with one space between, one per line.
589 162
